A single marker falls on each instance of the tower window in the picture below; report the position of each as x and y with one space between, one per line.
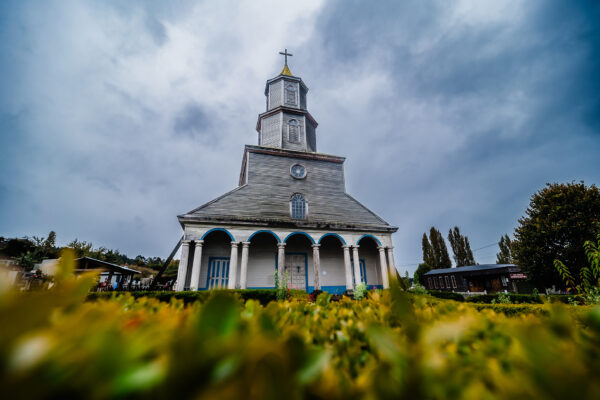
293 131
290 94
298 206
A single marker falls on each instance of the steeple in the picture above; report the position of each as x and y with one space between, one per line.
287 124
286 69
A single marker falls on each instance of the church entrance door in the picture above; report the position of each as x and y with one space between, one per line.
218 272
295 266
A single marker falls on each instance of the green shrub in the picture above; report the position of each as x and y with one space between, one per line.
513 298
446 295
512 309
264 296
360 291
390 345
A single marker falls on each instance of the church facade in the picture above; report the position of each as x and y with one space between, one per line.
289 214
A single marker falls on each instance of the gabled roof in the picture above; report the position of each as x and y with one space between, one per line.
89 263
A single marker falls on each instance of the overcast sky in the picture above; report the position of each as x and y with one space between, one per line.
116 116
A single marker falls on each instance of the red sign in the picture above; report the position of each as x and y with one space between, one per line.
518 276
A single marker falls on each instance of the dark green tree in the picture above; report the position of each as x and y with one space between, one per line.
460 247
559 219
440 251
428 257
435 252
419 275
505 254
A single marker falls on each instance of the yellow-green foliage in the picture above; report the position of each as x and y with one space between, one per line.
391 344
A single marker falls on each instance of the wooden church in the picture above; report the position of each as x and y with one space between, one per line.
290 213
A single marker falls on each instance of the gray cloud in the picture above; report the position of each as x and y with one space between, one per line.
120 116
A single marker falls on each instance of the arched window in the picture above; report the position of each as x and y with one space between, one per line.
290 94
293 131
298 206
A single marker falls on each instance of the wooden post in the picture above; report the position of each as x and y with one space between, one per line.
384 269
357 279
317 266
194 283
244 268
182 270
233 258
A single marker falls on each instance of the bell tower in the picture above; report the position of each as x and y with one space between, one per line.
287 124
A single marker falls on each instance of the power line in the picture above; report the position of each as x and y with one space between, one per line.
480 248
486 246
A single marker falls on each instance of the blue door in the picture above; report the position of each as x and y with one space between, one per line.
218 273
363 272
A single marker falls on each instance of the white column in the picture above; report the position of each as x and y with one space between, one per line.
195 281
317 266
183 262
391 263
280 261
244 268
384 269
356 265
233 259
347 267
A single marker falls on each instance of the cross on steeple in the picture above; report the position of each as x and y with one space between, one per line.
286 54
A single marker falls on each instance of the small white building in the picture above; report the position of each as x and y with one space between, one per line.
290 213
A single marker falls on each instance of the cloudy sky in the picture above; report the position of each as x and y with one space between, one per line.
116 116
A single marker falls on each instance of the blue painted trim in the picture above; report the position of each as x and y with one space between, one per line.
333 234
299 233
362 264
266 231
210 259
218 229
367 235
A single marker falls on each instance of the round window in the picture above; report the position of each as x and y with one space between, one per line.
298 171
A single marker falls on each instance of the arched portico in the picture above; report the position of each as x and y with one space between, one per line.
299 233
265 231
369 261
341 239
218 230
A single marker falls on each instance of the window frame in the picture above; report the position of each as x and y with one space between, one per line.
304 206
453 279
296 124
289 88
441 282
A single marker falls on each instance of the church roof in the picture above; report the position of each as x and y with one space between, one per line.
258 203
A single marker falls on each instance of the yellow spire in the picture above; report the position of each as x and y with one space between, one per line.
286 71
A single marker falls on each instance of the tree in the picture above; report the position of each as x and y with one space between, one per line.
505 254
419 275
428 257
461 248
435 252
558 221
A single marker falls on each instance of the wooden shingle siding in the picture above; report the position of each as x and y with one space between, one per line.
301 146
271 131
267 194
275 91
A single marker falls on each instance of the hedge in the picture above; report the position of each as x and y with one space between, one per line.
512 309
446 295
264 296
513 297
